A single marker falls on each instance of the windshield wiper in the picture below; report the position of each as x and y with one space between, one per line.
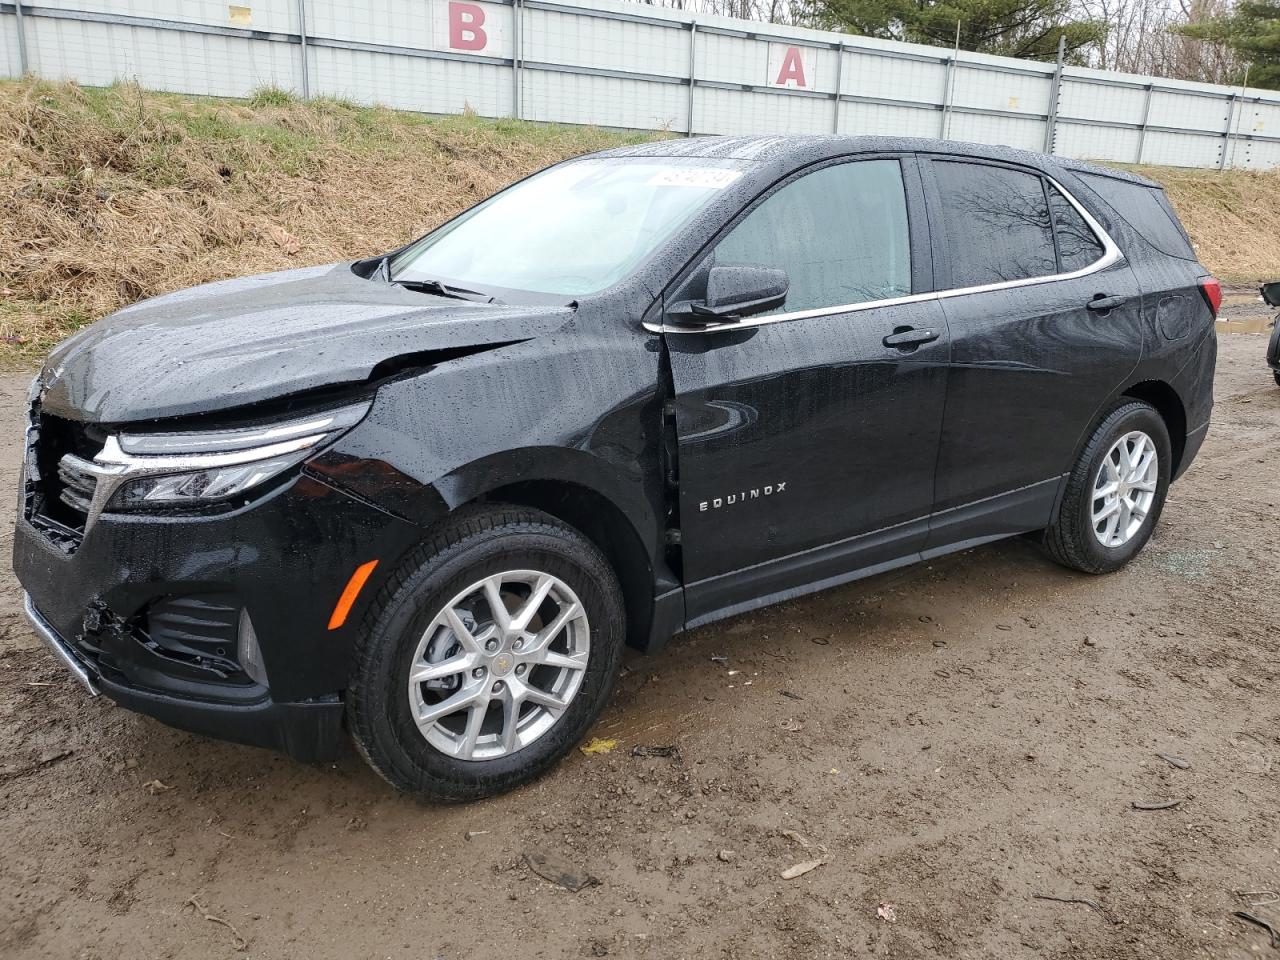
445 290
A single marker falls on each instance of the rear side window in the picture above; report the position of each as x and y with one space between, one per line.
840 233
995 223
1078 246
1147 210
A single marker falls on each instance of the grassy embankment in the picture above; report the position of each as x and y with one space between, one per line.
110 195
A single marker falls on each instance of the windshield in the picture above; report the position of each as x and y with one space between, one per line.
572 230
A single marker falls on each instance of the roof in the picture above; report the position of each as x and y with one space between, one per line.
799 148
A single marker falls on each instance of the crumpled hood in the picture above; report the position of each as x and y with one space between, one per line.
237 342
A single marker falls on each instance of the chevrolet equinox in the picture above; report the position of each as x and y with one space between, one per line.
424 499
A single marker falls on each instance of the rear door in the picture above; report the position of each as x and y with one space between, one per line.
807 438
1045 320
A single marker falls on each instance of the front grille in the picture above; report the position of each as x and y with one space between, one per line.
78 486
56 494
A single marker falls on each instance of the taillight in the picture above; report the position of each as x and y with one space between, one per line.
1212 290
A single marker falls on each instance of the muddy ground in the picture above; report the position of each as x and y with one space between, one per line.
955 740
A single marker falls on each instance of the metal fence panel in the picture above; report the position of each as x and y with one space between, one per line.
1182 149
1263 118
273 15
1092 101
872 74
1180 111
1026 133
10 61
1087 140
605 101
624 64
406 83
1257 153
733 111
395 22
99 54
888 120
984 90
552 36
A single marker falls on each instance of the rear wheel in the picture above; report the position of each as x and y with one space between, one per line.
1115 492
1276 374
487 657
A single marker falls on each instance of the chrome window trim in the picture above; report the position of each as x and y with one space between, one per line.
1111 255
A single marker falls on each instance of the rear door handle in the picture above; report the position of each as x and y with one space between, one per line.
1102 304
907 338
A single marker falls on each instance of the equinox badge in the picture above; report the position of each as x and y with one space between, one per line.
755 493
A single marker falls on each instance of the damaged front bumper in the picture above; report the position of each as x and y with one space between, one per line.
61 649
310 731
152 612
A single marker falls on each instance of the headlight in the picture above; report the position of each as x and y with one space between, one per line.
137 471
202 486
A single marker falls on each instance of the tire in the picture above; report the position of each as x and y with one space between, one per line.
493 543
1072 539
1276 374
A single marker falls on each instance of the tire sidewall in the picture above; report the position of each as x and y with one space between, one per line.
1126 419
398 628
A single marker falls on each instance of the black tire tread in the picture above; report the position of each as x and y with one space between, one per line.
1062 538
451 538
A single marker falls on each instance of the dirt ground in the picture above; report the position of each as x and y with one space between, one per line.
955 740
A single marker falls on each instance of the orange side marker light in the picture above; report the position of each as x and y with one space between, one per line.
349 594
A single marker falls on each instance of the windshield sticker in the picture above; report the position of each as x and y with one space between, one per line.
705 178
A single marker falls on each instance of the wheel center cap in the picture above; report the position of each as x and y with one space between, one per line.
502 664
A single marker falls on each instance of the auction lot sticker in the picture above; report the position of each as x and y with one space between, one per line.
708 178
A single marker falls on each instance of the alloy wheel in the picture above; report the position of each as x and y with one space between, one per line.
1125 489
499 665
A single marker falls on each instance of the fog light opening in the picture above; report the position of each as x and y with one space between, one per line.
248 652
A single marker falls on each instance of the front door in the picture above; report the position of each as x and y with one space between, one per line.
808 437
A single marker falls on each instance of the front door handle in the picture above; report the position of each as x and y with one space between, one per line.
1103 304
908 338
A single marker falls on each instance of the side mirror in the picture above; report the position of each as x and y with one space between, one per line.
736 290
1271 293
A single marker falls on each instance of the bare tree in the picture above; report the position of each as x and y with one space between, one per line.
1141 38
792 12
1141 35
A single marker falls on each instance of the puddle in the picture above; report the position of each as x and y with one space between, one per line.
1244 313
1256 324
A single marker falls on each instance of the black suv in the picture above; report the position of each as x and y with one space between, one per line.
429 496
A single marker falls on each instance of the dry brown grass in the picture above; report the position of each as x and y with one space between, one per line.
111 195
108 196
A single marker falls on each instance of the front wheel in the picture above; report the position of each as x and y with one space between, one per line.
487 657
1115 492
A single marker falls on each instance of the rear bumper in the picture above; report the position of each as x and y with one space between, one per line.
1194 386
310 731
1195 440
